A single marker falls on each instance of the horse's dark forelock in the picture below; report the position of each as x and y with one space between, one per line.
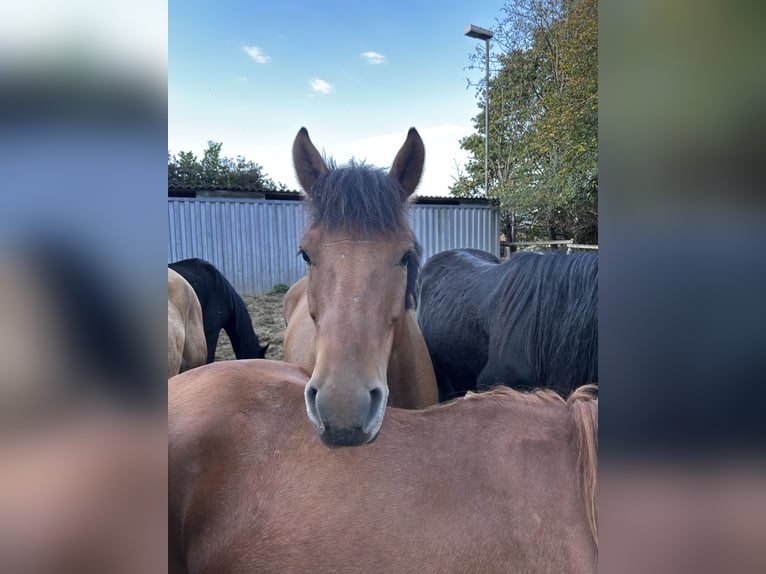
358 199
364 200
551 301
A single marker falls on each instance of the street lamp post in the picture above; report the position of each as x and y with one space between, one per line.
483 34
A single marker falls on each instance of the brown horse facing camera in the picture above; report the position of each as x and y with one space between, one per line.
496 482
349 320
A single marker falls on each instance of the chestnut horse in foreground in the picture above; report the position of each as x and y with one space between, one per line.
349 320
495 482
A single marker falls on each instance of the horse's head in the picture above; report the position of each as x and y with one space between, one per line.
362 267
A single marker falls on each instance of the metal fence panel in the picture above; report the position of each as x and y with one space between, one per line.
254 242
442 227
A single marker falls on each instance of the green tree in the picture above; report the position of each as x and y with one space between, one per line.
215 171
543 137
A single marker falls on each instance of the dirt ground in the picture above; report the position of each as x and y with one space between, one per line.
269 325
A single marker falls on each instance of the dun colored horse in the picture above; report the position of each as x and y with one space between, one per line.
222 308
186 338
528 322
349 320
501 481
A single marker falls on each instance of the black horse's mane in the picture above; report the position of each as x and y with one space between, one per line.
537 311
364 200
551 300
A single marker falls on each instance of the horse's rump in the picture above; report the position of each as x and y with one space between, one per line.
186 336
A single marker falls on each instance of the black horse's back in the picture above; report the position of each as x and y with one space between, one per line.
222 308
528 322
449 296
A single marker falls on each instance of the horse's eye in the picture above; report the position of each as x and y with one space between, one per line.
405 260
306 258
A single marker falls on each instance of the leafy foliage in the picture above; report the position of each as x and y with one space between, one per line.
280 289
543 132
216 172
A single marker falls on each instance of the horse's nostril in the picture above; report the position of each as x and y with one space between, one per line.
311 408
376 404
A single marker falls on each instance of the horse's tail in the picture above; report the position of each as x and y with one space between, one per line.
583 405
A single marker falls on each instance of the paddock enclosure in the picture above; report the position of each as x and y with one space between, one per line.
252 487
254 242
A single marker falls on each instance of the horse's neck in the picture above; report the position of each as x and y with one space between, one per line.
241 334
300 333
239 327
411 379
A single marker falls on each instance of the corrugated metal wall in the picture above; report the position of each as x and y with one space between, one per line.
254 243
442 227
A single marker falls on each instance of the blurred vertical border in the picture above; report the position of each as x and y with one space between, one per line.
83 148
682 286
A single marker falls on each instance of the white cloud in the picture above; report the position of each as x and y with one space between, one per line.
374 57
257 54
321 86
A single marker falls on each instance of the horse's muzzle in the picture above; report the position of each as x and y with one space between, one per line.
346 418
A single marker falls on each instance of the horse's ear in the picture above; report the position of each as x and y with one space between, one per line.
309 165
408 165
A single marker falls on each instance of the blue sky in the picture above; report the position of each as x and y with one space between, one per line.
357 75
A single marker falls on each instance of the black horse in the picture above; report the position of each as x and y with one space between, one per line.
222 308
528 322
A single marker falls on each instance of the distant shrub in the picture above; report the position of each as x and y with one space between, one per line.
279 289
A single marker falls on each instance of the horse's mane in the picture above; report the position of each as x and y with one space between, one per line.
552 299
584 409
364 200
538 395
582 404
444 278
